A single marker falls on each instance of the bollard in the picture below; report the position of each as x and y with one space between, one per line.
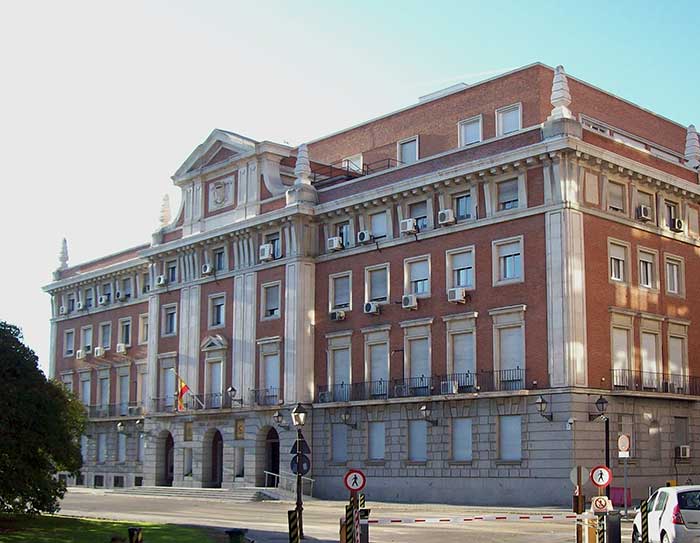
349 524
644 510
294 531
362 500
601 529
236 535
135 535
613 527
364 528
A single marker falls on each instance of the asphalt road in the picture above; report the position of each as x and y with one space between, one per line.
267 521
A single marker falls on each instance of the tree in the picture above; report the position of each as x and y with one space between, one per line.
40 428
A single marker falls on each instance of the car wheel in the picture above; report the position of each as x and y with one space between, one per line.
635 536
664 538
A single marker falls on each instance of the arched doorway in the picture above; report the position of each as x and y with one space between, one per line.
165 464
272 456
217 460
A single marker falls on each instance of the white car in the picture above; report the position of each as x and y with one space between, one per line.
674 516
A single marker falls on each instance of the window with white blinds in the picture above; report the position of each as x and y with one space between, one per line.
417 440
379 362
214 381
121 448
272 301
510 348
85 391
463 353
674 276
378 284
510 438
378 224
339 443
462 265
647 269
620 346
101 447
616 197
271 364
507 120
408 151
419 277
168 384
104 391
377 440
676 355
341 366
123 394
341 292
470 131
509 261
649 355
419 357
462 440
618 258
507 194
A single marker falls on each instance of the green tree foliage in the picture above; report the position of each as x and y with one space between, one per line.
40 428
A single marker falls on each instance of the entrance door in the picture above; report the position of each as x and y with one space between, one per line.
217 460
272 456
169 460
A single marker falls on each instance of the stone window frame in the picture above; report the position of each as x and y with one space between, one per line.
627 246
211 298
402 141
460 323
67 354
365 221
271 232
407 274
654 254
82 338
121 322
376 335
331 290
491 192
376 461
680 261
414 330
338 341
496 261
85 374
480 119
625 197
264 287
622 320
679 329
500 459
452 461
224 250
100 328
499 123
368 289
508 317
143 330
449 253
269 346
164 310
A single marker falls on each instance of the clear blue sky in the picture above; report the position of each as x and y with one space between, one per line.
100 102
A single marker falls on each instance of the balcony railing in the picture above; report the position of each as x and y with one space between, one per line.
100 411
646 381
266 396
455 383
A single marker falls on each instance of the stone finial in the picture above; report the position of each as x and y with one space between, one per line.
63 255
165 211
560 97
692 147
302 169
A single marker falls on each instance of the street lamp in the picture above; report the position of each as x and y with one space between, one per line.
541 404
425 413
231 391
279 420
299 419
345 418
601 404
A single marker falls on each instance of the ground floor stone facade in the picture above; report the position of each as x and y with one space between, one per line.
472 449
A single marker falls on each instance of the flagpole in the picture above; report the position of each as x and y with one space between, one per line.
200 402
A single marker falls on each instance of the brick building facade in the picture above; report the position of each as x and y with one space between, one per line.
449 288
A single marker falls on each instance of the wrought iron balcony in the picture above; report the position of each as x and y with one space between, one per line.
102 411
646 381
266 396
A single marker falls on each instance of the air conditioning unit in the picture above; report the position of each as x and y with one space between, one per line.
121 348
677 225
446 216
207 269
449 387
337 315
266 252
334 244
62 310
364 236
135 410
161 281
457 295
324 397
644 213
99 351
102 300
80 306
409 301
683 451
408 226
372 308
80 354
119 296
401 391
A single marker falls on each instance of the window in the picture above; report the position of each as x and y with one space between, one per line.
143 329
103 390
106 335
378 225
121 448
377 284
274 240
460 268
70 301
508 120
217 305
341 373
171 271
219 260
145 282
187 462
126 288
419 360
680 431
67 381
123 392
650 359
378 364
462 440
618 259
674 276
271 372
377 440
645 199
353 163
508 262
470 131
84 448
463 362
419 212
676 359
125 331
418 277
214 383
408 151
507 194
671 213
341 291
169 320
621 354
167 384
68 343
339 443
85 385
101 447
417 441
271 301
616 197
511 357
89 295
86 341
342 230
107 292
647 269
591 188
510 438
463 206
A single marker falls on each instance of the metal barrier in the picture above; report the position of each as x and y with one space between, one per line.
288 481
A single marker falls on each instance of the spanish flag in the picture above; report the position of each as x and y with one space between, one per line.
182 389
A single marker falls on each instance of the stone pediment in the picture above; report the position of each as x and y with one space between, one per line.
220 146
214 343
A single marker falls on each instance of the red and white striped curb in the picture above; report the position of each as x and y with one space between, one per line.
499 518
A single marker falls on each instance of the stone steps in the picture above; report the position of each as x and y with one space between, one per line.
239 495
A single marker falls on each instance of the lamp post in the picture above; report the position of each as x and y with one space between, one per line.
299 419
601 404
541 404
